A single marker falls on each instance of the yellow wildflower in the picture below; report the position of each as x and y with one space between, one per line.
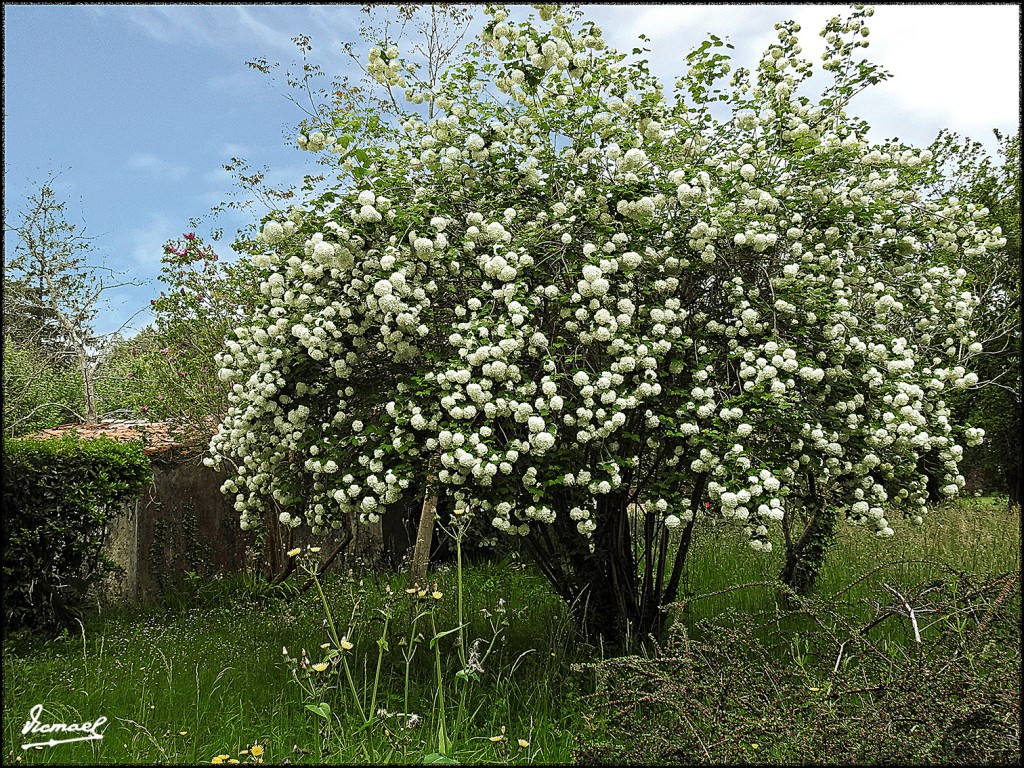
346 645
294 552
183 733
498 738
755 746
219 759
437 595
314 549
319 667
524 743
257 750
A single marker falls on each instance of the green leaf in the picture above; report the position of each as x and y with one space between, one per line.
442 634
435 758
323 709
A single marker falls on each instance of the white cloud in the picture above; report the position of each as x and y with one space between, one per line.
169 24
261 33
146 242
157 167
214 25
952 66
955 65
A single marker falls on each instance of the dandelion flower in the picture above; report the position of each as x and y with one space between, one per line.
256 751
294 552
321 667
346 645
219 759
500 737
437 595
524 743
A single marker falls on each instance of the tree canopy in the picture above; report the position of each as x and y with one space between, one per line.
598 315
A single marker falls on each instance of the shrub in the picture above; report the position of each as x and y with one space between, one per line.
564 293
58 497
833 694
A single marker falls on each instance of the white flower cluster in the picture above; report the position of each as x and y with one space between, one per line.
662 304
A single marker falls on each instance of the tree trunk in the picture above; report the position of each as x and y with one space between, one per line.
805 558
367 543
88 392
424 534
607 606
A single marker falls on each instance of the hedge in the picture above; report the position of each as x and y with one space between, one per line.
59 495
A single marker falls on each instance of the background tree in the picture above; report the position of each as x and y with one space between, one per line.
52 294
994 403
166 371
37 393
205 297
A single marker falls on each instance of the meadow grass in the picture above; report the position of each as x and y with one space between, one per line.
184 686
200 678
977 536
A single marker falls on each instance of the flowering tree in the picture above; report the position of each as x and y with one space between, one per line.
584 309
205 298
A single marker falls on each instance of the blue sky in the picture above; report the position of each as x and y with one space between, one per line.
139 107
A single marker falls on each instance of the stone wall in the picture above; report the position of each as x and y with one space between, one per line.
183 524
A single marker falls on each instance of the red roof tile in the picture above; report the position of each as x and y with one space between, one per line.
157 436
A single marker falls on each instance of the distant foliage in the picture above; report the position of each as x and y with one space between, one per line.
53 292
994 404
37 392
58 498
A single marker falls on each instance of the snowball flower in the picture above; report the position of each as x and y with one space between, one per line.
543 440
273 232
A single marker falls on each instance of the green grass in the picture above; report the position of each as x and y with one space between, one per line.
185 686
978 536
207 677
